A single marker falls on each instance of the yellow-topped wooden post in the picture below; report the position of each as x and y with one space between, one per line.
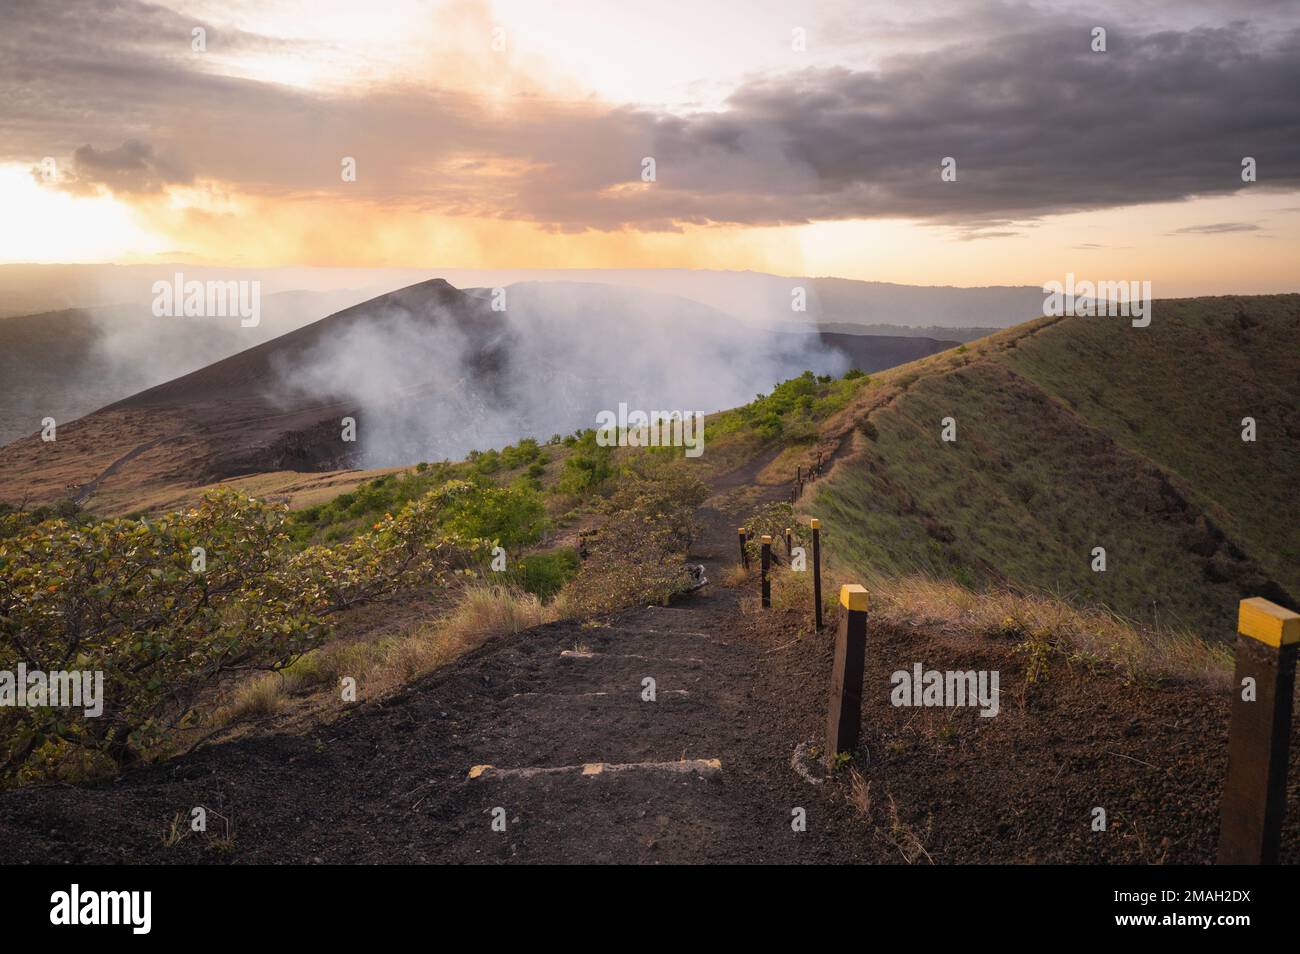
1259 734
845 718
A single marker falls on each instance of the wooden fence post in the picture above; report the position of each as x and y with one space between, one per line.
1259 734
767 565
845 716
789 543
817 568
744 556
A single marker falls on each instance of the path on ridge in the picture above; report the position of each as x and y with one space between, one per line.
390 782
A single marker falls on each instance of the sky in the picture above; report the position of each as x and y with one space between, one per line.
794 138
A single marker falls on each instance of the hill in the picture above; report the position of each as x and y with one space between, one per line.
744 295
65 364
1079 433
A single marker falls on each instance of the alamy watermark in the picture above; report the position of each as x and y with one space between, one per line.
1127 299
74 906
626 428
212 299
931 687
62 689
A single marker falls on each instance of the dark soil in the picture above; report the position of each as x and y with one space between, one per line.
388 781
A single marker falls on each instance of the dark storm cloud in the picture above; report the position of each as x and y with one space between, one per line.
1036 121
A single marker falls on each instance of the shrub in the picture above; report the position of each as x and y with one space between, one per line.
510 516
793 408
588 468
525 452
544 574
122 597
772 519
637 555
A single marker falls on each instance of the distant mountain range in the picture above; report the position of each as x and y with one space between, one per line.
748 296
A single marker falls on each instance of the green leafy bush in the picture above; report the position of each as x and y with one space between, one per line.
794 408
544 574
130 599
510 516
773 519
588 468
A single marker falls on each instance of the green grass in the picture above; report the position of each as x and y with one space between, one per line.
792 411
1092 433
1176 393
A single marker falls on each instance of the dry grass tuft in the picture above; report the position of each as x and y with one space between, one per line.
483 611
792 590
736 575
1043 625
860 793
902 836
258 697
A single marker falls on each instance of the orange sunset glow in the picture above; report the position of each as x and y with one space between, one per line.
511 135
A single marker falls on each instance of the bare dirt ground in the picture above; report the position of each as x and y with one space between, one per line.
390 781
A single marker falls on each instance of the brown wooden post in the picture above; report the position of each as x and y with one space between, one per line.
788 544
798 473
845 718
817 568
1259 735
744 554
767 565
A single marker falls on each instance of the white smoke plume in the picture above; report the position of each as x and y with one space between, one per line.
438 384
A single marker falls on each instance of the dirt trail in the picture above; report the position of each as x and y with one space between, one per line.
390 781
609 777
87 490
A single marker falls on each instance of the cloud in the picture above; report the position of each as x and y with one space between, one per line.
1037 122
131 168
1217 228
975 235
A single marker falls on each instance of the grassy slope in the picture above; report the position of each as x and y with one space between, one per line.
1084 433
1177 392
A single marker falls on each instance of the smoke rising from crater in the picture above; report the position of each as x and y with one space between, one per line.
429 383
